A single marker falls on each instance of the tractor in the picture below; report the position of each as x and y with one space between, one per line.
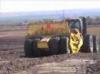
59 37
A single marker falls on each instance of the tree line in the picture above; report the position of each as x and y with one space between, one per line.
93 20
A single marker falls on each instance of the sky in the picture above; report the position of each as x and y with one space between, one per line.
46 5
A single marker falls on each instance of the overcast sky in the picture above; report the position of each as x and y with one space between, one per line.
46 5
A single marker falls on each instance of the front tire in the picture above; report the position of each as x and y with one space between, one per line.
53 46
28 48
63 45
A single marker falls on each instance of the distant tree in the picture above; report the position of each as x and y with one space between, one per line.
89 20
97 20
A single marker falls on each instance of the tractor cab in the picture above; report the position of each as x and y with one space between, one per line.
78 23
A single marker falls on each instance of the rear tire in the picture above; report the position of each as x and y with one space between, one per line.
95 45
87 44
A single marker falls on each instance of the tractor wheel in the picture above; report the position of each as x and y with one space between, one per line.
28 48
53 46
87 44
95 45
35 49
63 45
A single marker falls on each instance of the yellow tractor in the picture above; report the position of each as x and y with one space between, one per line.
59 37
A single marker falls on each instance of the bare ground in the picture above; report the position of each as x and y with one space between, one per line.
12 60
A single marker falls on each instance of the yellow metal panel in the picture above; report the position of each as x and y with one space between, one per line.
42 44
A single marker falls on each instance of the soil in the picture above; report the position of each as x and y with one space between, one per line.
13 60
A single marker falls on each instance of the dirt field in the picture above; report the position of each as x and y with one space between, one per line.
95 30
12 60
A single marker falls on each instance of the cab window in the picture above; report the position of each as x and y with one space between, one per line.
75 24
